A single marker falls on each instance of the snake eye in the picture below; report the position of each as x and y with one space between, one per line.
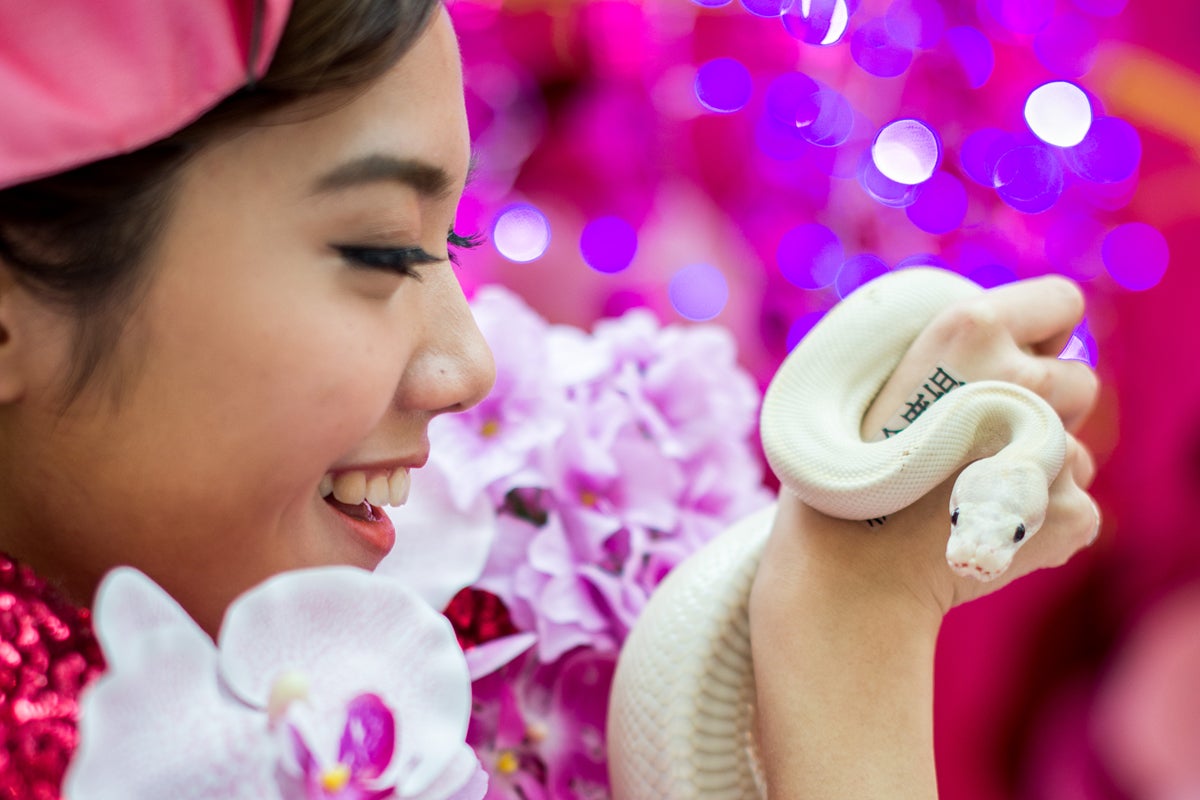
954 517
1020 534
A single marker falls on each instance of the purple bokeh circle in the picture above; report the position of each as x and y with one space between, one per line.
915 23
990 276
1020 16
698 292
1136 255
1067 46
858 270
1110 153
982 150
1102 8
800 328
880 187
821 22
809 256
763 8
940 205
834 120
723 85
1029 178
608 244
873 49
974 52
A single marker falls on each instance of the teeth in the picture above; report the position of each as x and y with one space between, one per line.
350 487
398 485
378 489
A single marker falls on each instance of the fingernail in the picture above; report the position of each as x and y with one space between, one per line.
1096 530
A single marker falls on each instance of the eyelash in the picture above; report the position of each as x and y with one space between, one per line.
402 260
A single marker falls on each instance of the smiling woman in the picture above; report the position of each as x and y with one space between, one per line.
226 324
212 371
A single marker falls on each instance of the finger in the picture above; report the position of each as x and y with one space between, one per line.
1072 522
1081 463
1040 313
1070 387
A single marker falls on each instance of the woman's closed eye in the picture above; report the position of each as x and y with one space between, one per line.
404 260
400 260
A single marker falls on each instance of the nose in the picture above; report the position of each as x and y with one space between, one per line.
453 369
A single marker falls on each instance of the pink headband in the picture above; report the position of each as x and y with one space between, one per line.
82 80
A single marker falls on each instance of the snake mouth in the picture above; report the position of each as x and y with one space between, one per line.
969 569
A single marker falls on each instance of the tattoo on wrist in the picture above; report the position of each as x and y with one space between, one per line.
935 387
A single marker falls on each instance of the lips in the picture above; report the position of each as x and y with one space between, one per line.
366 523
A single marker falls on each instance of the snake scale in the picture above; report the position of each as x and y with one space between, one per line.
681 716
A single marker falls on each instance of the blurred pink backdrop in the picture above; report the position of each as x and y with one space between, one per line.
1083 682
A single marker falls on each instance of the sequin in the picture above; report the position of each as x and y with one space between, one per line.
48 654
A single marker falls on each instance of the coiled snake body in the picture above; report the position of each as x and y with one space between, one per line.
681 714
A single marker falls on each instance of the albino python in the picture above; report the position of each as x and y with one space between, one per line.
682 708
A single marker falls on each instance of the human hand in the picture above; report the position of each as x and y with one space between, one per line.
844 617
1012 333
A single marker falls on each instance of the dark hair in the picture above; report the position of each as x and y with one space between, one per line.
78 238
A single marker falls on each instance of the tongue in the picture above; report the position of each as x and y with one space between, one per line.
363 510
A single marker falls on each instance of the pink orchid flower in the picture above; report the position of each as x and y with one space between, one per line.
324 683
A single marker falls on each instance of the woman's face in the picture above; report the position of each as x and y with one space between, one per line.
276 349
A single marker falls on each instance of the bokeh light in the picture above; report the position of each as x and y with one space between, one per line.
940 205
723 85
1110 153
1021 16
800 328
763 8
982 150
789 99
1059 113
858 270
922 260
907 151
834 120
873 48
1136 255
1067 46
915 23
1081 347
608 244
809 256
974 52
1029 178
880 187
698 292
822 22
1102 8
521 233
712 3
990 276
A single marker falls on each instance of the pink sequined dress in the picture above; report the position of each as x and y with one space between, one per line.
48 654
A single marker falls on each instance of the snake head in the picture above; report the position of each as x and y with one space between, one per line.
984 537
996 506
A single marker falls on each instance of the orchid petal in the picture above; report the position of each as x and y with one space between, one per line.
159 725
128 605
351 632
486 658
440 548
463 779
369 738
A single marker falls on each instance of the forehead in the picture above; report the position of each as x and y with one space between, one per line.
415 111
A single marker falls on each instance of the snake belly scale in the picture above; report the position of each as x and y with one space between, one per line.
681 716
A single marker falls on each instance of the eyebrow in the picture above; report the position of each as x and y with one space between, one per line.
427 179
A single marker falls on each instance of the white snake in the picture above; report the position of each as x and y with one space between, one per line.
682 707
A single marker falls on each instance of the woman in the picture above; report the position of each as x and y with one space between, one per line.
219 355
